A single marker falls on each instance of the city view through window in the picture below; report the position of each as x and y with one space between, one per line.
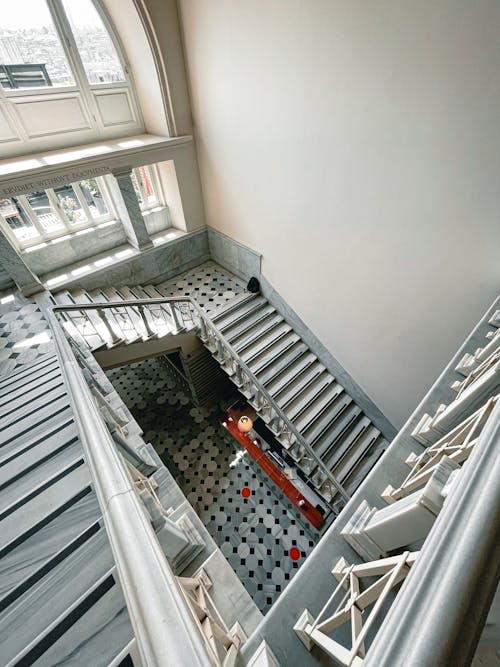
31 51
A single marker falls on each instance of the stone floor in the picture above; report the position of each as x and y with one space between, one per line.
24 334
255 534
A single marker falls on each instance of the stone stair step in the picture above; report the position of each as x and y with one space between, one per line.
342 423
299 384
257 333
237 314
281 363
346 441
257 318
264 343
358 450
233 304
282 380
314 431
264 362
319 410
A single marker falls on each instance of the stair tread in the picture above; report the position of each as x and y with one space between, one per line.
313 432
281 362
23 562
257 333
347 441
236 314
296 405
104 630
298 380
36 510
287 375
327 441
258 347
269 355
51 599
318 412
233 303
345 467
234 331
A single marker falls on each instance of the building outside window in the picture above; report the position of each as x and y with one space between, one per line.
146 185
58 212
33 37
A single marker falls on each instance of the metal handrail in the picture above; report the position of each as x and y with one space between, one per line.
209 324
161 619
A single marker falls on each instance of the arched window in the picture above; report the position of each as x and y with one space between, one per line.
62 71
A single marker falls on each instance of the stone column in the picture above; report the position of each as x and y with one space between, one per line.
15 266
128 209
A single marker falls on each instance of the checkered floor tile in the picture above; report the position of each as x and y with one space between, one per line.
255 534
24 334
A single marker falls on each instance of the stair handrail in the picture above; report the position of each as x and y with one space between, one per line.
160 617
438 615
209 324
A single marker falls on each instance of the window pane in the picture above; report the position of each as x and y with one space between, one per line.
147 184
46 215
93 197
17 220
96 49
69 203
135 183
31 54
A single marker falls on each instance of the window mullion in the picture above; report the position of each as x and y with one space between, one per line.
67 38
58 209
9 233
23 200
83 202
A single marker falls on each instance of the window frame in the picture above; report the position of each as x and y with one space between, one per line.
155 182
67 228
77 70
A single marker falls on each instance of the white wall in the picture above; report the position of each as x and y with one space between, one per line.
356 145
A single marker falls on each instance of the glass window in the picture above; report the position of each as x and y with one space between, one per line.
31 54
72 208
44 211
145 186
19 223
94 198
97 51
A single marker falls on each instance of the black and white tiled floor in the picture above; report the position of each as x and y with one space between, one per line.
209 284
255 534
24 334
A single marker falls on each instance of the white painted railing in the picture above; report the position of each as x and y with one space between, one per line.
161 619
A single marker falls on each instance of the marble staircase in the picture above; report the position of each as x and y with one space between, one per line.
321 428
59 595
331 432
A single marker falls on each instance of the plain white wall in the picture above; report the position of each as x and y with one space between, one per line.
356 145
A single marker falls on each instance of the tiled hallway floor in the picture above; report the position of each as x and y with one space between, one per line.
255 534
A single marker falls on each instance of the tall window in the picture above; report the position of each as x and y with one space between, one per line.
35 36
74 208
64 78
50 214
146 186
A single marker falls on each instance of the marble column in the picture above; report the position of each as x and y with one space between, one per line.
128 209
12 262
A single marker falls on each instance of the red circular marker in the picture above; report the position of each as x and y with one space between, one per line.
245 492
294 553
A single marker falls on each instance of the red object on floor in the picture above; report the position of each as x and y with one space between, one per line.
245 492
294 553
278 477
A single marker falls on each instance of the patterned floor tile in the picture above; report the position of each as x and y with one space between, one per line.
254 534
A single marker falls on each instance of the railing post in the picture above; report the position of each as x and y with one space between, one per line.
114 338
145 321
438 615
